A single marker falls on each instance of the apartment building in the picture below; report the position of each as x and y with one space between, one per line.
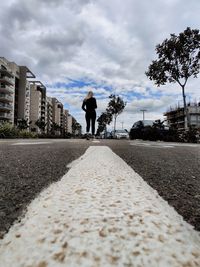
7 92
65 120
69 123
17 91
37 107
49 114
176 117
57 114
22 91
22 98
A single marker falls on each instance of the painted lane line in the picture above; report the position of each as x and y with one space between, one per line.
31 143
168 144
155 146
101 213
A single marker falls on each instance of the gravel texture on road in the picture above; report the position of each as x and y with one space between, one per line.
27 169
103 214
173 171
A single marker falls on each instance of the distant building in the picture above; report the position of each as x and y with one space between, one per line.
69 123
24 99
57 115
14 91
176 117
37 105
65 121
7 92
49 116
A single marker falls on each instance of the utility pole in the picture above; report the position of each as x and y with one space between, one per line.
143 111
122 124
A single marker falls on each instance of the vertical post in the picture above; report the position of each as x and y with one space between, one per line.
143 111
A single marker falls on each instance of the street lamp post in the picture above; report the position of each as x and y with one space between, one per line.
143 111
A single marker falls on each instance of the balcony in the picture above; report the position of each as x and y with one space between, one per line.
43 108
6 80
59 105
43 105
194 110
6 72
6 98
5 107
5 116
6 89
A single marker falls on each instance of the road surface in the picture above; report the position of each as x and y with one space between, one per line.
28 166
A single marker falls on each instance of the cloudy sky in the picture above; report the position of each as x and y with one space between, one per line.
74 46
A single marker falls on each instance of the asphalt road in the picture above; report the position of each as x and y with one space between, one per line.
28 166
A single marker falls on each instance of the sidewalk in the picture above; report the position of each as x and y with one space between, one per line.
100 214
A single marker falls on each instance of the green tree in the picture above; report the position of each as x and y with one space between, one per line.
115 107
75 126
178 60
54 128
103 120
23 124
41 124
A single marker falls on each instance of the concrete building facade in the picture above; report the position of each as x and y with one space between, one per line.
7 92
18 76
37 106
65 120
49 114
176 117
25 99
69 123
57 111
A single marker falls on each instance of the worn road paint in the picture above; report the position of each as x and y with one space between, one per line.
101 213
31 143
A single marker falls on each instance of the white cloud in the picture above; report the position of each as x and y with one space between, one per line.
110 42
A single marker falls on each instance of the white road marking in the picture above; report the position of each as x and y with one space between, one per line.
31 143
162 144
152 144
101 213
48 141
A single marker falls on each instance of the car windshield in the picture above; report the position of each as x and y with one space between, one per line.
148 122
121 131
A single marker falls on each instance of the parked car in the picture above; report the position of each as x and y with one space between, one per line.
105 135
139 127
151 130
120 134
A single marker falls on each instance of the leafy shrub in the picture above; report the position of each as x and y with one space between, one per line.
7 130
25 134
190 136
153 134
